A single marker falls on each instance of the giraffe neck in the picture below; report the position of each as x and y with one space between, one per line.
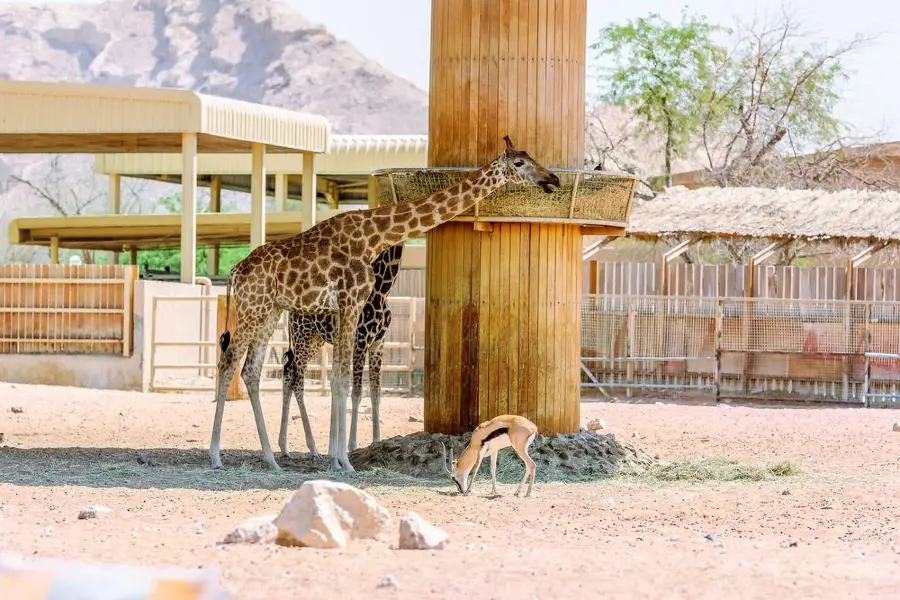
415 217
386 267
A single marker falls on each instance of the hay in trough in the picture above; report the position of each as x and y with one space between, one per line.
582 195
581 456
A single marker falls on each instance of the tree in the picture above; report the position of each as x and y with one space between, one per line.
772 100
662 73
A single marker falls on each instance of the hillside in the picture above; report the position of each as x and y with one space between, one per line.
255 50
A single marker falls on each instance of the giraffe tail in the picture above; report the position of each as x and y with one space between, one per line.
225 338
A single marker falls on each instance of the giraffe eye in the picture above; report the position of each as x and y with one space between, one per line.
518 163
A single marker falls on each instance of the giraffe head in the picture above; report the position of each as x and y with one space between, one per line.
519 167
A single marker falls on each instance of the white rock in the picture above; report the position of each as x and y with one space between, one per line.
389 581
328 514
897 426
418 534
596 424
255 530
93 511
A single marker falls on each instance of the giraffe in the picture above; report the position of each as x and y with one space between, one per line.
328 269
307 333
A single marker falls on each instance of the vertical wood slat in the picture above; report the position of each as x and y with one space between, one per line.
507 67
528 307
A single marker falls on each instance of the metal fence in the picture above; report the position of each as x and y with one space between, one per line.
754 348
183 351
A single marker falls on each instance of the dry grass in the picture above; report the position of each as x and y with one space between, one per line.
719 470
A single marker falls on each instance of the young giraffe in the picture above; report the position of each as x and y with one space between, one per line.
307 333
328 268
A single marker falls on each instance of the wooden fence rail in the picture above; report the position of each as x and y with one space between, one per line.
66 309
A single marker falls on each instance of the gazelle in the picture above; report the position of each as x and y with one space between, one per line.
488 439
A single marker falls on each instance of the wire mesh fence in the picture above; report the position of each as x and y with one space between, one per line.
779 349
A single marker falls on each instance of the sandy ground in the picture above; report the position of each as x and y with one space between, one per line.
830 532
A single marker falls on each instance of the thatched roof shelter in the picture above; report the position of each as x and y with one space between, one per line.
768 213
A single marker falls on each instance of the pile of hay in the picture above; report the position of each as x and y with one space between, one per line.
573 457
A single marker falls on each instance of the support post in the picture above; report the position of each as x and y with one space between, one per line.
132 251
54 250
592 248
215 206
114 205
749 292
667 259
281 191
308 191
188 207
258 195
859 260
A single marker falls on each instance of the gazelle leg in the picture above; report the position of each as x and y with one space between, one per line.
494 473
530 467
474 474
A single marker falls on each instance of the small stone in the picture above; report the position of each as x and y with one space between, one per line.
609 501
93 511
389 581
897 426
418 534
786 492
413 419
255 530
596 424
674 538
16 410
713 537
2 438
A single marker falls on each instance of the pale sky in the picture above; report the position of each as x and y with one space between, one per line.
396 33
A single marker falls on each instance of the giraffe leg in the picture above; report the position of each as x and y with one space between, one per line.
289 373
226 367
256 355
376 352
340 386
359 357
301 360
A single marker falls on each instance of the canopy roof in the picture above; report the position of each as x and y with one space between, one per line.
68 118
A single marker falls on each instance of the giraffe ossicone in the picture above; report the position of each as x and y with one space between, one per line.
335 257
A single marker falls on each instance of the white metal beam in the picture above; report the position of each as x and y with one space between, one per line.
189 207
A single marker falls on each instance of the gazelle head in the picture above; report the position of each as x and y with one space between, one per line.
451 466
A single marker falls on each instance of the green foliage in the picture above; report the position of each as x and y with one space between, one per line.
662 72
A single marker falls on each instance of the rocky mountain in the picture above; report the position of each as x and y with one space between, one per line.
256 50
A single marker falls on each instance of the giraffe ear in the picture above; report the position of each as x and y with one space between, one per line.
509 144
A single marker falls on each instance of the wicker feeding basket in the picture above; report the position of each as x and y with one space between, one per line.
583 197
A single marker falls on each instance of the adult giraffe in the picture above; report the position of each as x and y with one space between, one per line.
306 335
328 269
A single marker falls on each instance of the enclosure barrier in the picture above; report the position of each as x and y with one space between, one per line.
183 358
743 348
66 309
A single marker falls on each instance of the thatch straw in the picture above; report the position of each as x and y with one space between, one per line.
759 212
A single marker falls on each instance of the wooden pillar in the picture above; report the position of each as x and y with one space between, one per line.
281 191
308 191
215 205
189 207
503 312
114 205
258 195
54 250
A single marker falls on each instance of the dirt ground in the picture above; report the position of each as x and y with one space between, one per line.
829 532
